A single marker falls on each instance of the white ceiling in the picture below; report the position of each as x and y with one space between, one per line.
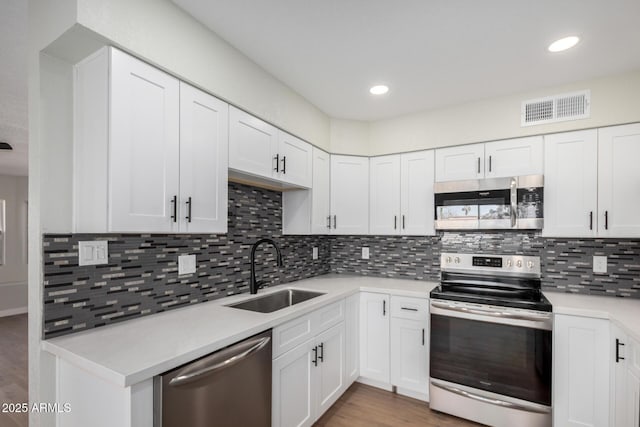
431 53
13 86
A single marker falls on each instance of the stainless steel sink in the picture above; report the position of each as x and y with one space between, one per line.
276 301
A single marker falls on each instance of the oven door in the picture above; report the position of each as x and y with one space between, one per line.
500 350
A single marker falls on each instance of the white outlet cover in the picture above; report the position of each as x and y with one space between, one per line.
315 252
599 264
94 252
365 253
186 264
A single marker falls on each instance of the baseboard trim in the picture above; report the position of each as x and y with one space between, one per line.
13 311
375 383
413 394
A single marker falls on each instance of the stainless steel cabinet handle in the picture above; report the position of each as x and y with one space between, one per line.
408 309
188 218
321 357
188 377
277 159
524 407
174 207
284 164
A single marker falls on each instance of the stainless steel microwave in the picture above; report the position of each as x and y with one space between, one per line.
515 203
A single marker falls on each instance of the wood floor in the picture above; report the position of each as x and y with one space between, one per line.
13 368
366 406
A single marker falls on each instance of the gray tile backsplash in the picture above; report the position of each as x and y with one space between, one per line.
141 277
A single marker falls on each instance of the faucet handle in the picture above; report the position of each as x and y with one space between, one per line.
260 284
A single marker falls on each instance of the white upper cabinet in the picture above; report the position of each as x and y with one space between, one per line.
320 193
150 151
514 157
510 157
416 193
296 160
460 163
258 149
619 181
349 194
384 198
144 146
203 161
571 183
253 145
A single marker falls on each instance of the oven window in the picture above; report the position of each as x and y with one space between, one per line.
509 360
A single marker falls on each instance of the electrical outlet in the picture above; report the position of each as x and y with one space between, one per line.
95 252
365 253
599 264
186 264
315 252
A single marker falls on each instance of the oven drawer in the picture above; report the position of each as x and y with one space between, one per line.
409 308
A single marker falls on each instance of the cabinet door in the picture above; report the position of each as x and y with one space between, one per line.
571 184
619 181
144 147
384 195
331 367
410 355
459 163
349 194
352 329
581 359
296 160
294 394
416 193
204 122
253 145
632 396
514 157
374 336
619 377
320 208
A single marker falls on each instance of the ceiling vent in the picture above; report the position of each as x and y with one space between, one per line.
557 108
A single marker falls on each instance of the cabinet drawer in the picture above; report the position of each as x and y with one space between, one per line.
409 308
328 316
290 334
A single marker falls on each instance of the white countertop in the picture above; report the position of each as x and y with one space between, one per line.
136 350
625 312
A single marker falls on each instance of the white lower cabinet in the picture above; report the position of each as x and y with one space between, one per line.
581 361
309 379
352 335
625 379
410 346
374 336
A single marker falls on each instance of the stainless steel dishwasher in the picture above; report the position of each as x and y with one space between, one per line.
231 387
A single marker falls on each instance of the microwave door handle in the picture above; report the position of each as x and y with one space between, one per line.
514 202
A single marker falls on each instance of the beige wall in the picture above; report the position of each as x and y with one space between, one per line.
13 273
161 33
614 100
349 137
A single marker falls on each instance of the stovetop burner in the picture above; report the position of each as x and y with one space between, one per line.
499 280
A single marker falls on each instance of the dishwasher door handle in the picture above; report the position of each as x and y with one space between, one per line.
211 364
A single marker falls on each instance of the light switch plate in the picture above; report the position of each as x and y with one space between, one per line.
315 252
95 252
186 264
599 264
365 253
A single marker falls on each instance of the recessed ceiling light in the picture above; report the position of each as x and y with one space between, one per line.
379 90
563 44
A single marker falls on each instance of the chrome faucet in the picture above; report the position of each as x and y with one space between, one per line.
255 284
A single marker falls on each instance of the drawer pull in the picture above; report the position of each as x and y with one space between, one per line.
408 309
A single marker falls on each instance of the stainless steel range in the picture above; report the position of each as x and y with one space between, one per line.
491 341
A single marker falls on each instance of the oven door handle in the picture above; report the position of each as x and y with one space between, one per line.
539 321
497 402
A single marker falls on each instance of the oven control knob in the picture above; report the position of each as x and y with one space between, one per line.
448 259
530 264
509 263
519 263
457 260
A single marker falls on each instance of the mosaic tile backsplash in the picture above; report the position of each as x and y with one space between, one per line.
141 277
